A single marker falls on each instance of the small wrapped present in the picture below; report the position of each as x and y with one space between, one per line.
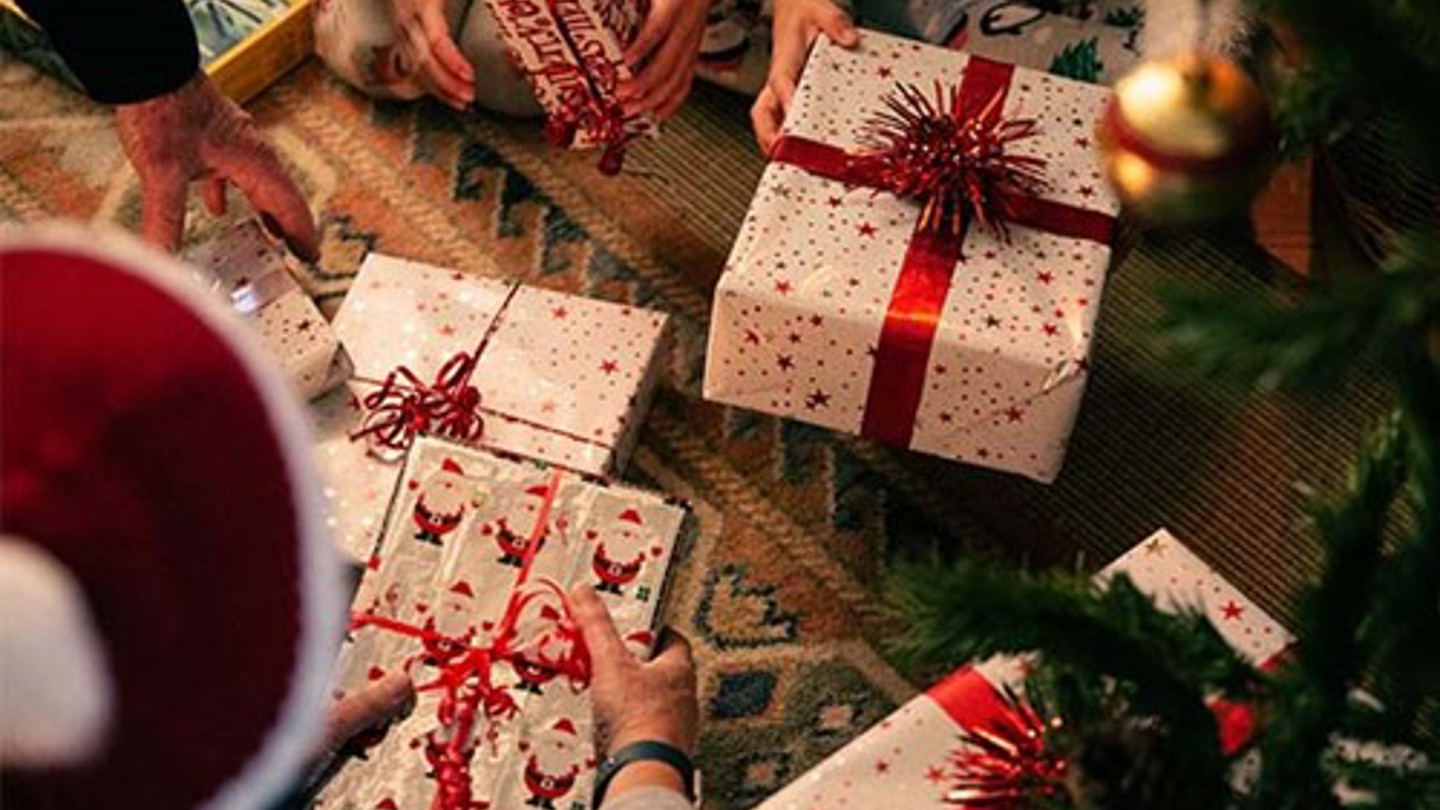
882 286
908 759
572 51
466 593
537 373
253 273
1097 50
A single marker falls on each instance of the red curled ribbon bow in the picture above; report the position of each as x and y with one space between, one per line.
950 156
404 405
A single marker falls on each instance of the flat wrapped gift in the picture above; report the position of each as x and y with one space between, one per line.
907 759
466 594
253 272
1098 50
556 377
572 52
848 303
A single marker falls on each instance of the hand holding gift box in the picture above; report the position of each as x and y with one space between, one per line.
533 372
922 266
466 593
921 756
254 275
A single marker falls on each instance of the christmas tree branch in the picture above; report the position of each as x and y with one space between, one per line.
1311 693
1165 663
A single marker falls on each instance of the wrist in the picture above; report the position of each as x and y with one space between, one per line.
645 773
658 732
645 764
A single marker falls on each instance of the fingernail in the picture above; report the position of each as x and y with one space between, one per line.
304 252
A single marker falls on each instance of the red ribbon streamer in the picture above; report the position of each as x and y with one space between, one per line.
469 694
913 314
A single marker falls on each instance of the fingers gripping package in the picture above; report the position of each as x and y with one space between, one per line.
467 594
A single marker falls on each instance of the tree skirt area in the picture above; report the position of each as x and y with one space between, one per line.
781 592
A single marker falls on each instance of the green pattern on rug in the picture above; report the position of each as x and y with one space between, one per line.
779 593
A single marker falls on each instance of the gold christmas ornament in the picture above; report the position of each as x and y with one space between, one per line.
1187 140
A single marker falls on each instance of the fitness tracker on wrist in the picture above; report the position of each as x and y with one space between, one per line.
643 751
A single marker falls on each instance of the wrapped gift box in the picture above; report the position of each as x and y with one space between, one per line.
572 52
905 761
476 554
254 274
560 378
839 308
1098 50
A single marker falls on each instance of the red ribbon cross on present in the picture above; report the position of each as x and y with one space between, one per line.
934 251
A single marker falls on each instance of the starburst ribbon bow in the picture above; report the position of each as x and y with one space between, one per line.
951 155
405 405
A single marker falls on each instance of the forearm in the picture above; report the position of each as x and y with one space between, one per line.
123 51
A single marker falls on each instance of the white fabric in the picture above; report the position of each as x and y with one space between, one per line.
56 695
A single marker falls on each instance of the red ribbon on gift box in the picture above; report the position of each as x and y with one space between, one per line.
933 255
404 405
469 694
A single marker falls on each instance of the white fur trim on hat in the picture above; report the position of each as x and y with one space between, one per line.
292 740
56 694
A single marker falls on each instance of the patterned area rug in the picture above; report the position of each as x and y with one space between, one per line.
780 594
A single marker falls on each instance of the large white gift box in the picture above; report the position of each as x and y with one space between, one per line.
839 307
559 378
906 759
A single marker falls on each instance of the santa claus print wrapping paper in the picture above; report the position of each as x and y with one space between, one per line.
840 307
907 759
464 593
572 52
556 377
253 274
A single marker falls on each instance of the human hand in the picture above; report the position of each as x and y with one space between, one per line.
367 709
663 57
797 23
636 700
430 51
195 133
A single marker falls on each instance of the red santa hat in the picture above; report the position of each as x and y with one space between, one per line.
539 491
449 465
171 599
564 726
631 516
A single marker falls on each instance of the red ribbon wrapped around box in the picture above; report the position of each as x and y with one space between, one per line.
934 255
960 743
956 340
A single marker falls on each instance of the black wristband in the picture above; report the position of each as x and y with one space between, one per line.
645 750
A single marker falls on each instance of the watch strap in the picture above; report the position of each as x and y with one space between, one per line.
643 751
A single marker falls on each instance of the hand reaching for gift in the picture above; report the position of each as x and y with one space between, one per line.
637 700
367 709
196 134
797 23
429 51
663 57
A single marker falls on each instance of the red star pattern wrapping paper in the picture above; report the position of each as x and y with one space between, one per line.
906 760
802 305
572 53
450 560
253 274
562 379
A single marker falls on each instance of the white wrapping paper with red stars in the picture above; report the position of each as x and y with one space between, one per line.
464 593
572 52
557 377
907 759
839 308
253 274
